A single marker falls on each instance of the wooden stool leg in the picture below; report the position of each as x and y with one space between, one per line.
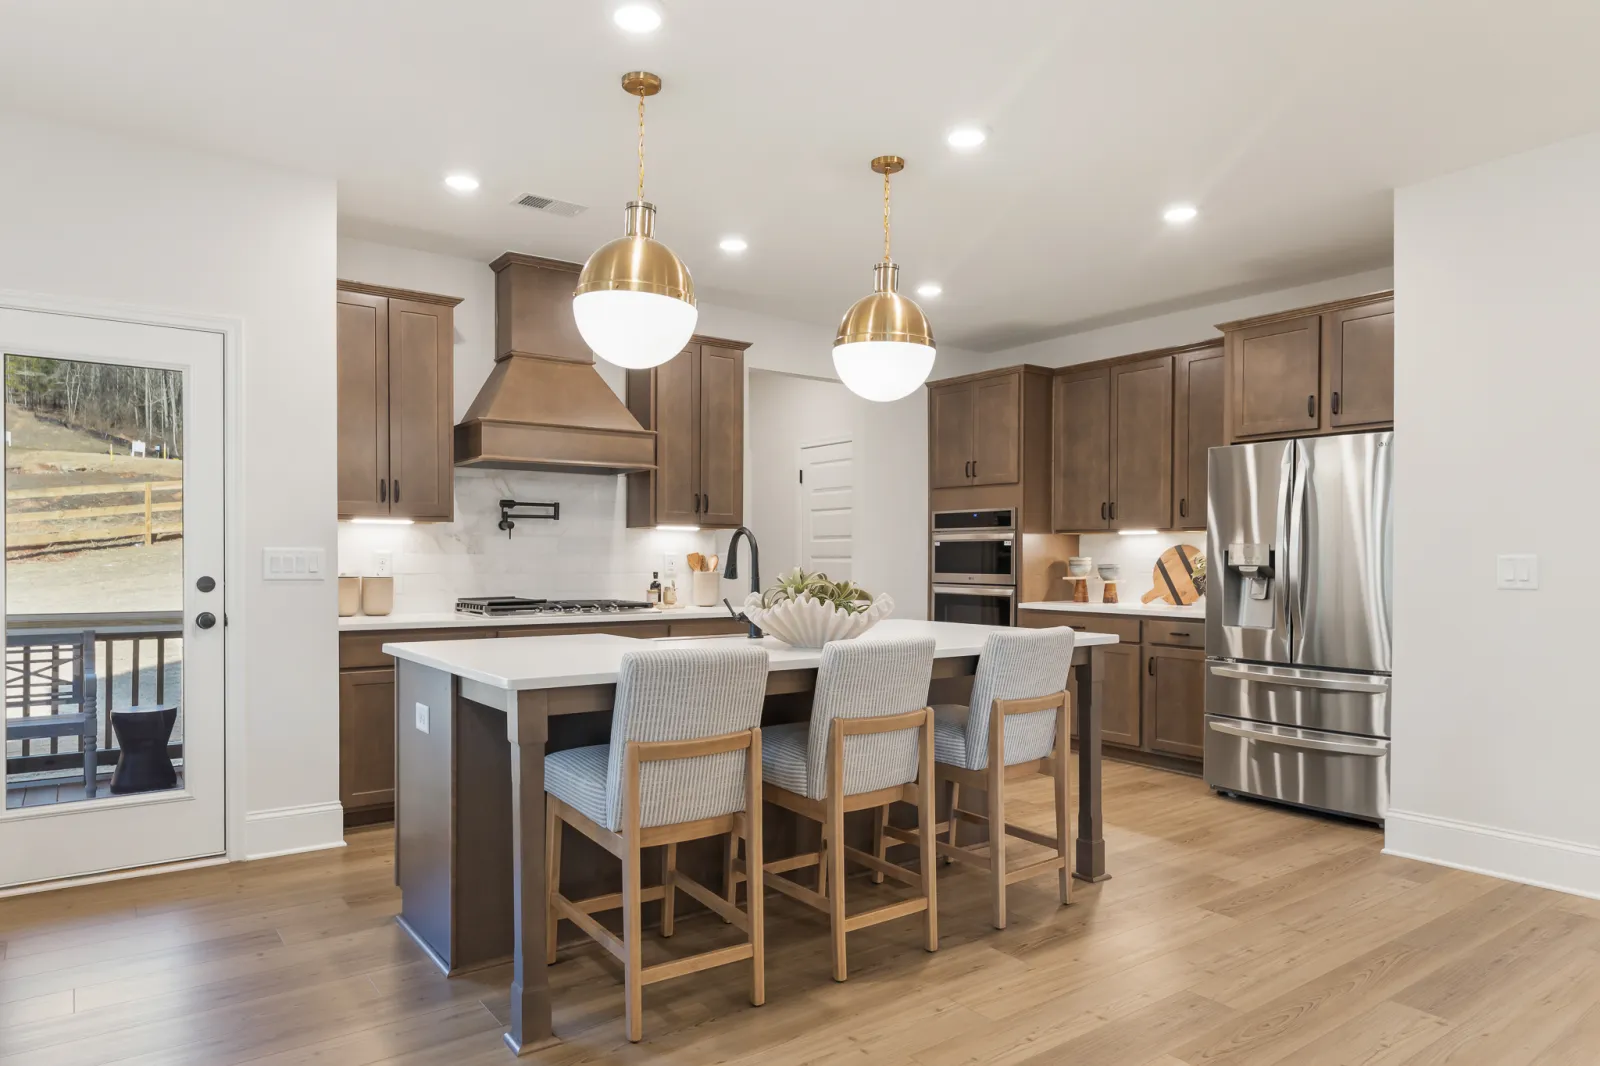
669 885
880 846
822 861
552 880
1063 817
633 966
835 862
730 859
997 837
950 835
927 811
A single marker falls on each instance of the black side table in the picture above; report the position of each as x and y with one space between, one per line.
142 734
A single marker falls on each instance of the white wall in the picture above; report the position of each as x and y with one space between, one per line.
1183 327
93 217
890 461
1136 555
1497 714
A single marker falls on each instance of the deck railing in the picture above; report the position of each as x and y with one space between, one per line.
134 655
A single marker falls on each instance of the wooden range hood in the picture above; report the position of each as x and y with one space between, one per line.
545 406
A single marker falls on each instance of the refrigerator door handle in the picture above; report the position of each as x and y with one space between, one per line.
1299 541
1287 539
1370 749
1329 684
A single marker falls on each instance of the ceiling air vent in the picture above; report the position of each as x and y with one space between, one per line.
551 206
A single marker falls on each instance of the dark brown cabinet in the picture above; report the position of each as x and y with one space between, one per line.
1174 700
1360 349
396 359
1113 446
366 739
1120 723
1081 490
695 404
975 430
1197 380
1312 371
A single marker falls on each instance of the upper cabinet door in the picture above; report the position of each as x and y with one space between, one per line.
363 359
1196 428
1276 377
1081 460
997 430
950 415
721 436
677 414
1360 343
421 402
1141 444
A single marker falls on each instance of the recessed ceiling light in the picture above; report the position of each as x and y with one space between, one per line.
733 245
637 17
1178 214
462 182
966 138
929 289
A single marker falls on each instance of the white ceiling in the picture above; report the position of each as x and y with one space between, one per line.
1287 121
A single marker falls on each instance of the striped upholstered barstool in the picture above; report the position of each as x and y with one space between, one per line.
684 762
1015 725
869 743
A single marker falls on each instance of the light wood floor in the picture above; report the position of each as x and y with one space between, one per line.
1231 933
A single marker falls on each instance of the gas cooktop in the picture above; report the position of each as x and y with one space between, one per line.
502 606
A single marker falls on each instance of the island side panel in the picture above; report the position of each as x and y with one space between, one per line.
423 806
482 883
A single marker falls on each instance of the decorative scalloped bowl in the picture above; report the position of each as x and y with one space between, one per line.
811 623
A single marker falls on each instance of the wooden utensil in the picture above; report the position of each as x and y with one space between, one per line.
697 562
1174 576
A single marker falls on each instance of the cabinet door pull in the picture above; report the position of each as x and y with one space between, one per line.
383 490
1113 510
1103 515
396 490
1335 403
1311 406
705 504
1150 666
974 468
1183 508
1175 633
697 503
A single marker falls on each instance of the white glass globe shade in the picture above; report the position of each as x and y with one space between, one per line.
883 370
637 330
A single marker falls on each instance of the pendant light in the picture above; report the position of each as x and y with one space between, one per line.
884 348
635 300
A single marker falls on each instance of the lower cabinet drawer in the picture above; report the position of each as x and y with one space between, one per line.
1306 767
1184 634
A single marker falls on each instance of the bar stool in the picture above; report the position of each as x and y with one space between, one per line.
869 743
1019 712
684 762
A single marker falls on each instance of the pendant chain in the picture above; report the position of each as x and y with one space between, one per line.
641 146
886 216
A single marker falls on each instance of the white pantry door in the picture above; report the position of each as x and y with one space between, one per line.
827 508
113 593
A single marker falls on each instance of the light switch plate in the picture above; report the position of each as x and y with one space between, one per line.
292 564
383 563
422 717
1518 572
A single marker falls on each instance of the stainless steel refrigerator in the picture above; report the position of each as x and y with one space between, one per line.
1300 538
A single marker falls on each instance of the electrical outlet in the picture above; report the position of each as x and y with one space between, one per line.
383 563
422 717
1519 572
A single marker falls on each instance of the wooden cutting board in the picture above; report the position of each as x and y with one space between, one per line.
1174 576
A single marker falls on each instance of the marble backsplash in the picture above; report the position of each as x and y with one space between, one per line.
589 551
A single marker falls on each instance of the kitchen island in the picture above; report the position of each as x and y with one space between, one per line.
474 719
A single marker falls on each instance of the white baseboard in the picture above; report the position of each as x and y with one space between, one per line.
291 830
1544 862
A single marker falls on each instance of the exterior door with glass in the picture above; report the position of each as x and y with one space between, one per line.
114 595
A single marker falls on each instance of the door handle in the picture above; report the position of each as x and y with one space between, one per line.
1311 406
396 490
1336 402
1150 666
1328 684
1103 515
1371 750
205 620
697 503
1183 508
974 468
1113 510
705 507
383 490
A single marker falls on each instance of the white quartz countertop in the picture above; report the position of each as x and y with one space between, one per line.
564 661
1158 609
452 620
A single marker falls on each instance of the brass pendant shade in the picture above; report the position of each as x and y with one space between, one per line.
884 315
637 262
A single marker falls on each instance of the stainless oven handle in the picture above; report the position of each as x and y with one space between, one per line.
977 590
977 535
1244 673
1371 751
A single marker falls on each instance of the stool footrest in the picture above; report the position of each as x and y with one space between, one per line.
887 913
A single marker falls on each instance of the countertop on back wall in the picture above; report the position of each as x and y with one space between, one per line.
452 620
1158 609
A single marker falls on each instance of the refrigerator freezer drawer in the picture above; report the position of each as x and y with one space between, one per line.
1293 696
1326 771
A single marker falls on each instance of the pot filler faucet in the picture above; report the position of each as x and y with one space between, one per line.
732 570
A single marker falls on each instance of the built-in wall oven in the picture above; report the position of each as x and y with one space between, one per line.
974 547
975 566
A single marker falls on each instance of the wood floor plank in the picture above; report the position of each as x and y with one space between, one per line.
1230 934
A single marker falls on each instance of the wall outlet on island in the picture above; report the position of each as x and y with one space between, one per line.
383 563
